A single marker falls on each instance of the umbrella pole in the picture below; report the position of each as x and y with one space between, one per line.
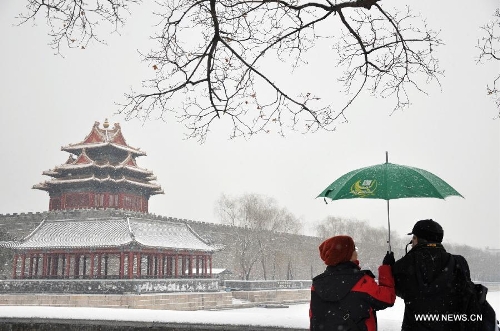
388 219
389 227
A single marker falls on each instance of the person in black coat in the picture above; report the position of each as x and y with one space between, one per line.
427 279
344 297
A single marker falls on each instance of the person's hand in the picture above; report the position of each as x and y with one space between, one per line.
389 259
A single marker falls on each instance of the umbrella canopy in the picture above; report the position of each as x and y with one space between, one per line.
388 181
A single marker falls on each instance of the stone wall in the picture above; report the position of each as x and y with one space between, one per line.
274 296
168 301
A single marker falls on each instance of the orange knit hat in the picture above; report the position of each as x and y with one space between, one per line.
336 250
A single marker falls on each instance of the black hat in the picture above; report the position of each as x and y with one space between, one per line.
429 230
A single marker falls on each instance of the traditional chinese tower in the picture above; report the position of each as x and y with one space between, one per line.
101 172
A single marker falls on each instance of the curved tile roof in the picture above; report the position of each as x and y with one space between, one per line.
157 233
113 232
98 138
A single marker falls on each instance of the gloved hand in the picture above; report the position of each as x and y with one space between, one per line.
389 259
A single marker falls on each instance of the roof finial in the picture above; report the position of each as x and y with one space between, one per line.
106 124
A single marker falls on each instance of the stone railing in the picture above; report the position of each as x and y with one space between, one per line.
108 286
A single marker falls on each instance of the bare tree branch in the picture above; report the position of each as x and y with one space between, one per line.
489 50
214 58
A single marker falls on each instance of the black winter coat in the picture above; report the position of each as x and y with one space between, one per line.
428 281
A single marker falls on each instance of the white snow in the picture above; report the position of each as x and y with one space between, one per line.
295 316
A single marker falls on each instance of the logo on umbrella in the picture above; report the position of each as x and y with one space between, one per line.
365 188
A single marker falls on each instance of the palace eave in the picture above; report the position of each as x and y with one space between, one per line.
78 148
113 233
68 167
47 185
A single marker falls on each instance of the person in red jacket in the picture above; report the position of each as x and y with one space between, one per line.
344 297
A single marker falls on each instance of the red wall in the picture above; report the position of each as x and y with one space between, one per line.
101 200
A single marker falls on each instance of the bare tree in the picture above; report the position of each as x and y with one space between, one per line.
214 58
489 48
263 221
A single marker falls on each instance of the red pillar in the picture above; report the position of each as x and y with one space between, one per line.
139 264
14 266
176 257
122 267
204 265
161 258
23 265
155 265
99 265
207 257
190 265
30 271
106 262
44 265
210 261
156 270
151 259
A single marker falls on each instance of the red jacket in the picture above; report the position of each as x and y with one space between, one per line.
344 295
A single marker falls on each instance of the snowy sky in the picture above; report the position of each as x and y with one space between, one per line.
295 316
49 101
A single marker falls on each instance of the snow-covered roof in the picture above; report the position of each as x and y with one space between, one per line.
113 232
102 137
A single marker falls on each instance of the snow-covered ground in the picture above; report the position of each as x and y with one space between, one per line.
295 316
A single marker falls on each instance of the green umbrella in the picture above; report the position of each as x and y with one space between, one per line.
388 181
